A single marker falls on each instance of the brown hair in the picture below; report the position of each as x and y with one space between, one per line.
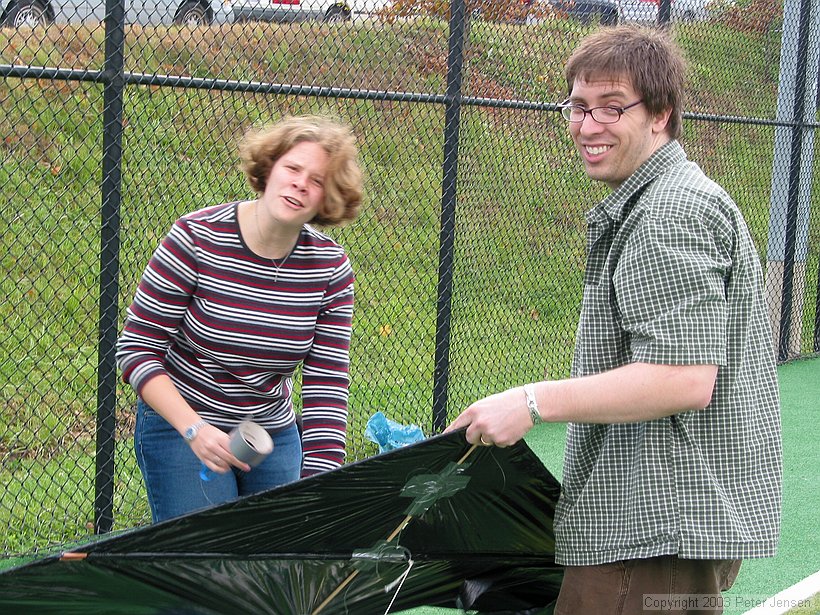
261 148
647 57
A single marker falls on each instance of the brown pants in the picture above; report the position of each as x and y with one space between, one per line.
665 585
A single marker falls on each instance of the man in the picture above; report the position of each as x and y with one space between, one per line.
672 468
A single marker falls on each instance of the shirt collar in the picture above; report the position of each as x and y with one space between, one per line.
612 207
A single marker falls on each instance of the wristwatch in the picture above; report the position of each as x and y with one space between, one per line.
191 432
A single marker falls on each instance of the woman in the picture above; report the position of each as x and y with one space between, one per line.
234 299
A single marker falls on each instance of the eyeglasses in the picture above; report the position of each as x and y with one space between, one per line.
603 115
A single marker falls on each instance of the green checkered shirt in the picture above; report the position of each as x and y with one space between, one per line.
673 278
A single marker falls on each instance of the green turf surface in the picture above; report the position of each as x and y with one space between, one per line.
799 552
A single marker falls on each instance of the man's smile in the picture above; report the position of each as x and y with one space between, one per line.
595 150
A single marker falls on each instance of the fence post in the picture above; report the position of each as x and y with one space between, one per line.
791 176
664 12
114 84
816 345
455 65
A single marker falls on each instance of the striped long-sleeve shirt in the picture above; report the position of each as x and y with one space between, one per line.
229 328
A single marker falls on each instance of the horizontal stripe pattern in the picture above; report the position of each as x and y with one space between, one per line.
230 328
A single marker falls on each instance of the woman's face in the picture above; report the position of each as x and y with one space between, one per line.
296 185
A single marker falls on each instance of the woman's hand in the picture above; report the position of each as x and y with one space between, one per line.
212 446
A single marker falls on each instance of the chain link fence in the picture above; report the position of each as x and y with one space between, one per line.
469 252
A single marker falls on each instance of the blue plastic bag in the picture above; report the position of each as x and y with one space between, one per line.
390 435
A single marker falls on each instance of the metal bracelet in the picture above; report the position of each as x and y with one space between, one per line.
532 405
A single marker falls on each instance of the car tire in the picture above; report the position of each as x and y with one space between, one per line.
27 13
337 14
192 14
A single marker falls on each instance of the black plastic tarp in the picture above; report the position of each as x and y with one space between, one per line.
438 523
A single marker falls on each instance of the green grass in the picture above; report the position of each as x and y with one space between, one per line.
62 491
519 230
811 608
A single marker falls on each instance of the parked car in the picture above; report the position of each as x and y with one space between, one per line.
16 13
605 12
681 10
300 10
611 12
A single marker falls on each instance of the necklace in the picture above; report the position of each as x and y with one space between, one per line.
276 267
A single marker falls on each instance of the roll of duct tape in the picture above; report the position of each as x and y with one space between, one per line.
250 443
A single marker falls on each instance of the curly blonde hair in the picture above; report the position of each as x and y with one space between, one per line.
261 148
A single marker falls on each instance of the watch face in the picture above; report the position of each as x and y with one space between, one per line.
191 432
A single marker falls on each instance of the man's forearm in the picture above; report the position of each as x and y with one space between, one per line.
633 392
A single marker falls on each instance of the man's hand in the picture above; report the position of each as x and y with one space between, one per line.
501 419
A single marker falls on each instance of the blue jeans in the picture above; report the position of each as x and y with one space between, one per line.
171 471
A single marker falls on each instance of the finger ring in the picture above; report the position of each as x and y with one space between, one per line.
483 441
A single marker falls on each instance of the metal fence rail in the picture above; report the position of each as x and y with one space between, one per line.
469 252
